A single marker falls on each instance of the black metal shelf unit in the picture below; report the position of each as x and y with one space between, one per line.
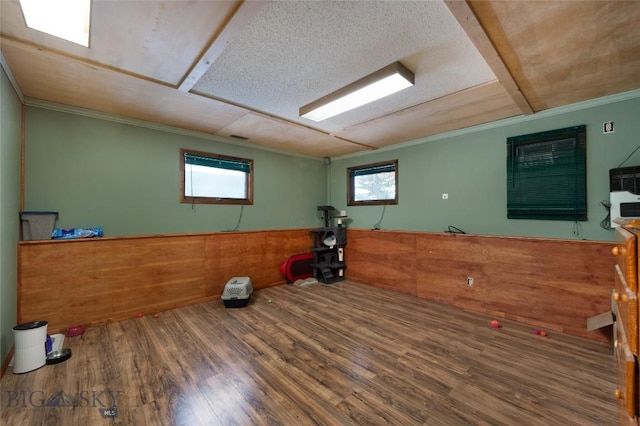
328 254
328 250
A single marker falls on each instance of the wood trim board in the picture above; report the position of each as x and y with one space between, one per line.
548 283
96 281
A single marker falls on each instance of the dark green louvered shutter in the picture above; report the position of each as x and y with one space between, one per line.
546 175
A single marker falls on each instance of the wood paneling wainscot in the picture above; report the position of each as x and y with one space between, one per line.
96 281
552 284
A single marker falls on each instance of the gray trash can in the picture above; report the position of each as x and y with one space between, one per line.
37 225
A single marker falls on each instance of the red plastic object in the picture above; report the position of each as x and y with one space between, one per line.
297 267
76 330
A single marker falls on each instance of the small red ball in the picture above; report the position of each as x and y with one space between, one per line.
140 315
536 331
543 333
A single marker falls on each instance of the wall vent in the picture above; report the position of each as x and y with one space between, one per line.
244 138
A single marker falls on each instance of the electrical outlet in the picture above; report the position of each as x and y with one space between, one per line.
445 196
469 282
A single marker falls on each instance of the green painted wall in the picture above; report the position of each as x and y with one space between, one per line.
470 166
125 178
10 123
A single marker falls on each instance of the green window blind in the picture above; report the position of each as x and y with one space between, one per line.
546 175
383 168
219 163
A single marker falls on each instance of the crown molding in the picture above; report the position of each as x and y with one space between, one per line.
579 106
154 126
12 79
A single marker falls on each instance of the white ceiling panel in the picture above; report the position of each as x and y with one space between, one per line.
293 53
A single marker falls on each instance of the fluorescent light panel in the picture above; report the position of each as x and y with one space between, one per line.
67 19
388 80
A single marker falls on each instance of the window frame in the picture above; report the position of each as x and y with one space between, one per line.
248 200
351 184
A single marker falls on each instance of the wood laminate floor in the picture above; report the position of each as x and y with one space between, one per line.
336 354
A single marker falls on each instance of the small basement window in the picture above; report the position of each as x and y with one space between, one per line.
373 184
547 175
207 178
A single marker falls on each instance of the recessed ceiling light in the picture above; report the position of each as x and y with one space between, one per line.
67 19
384 82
